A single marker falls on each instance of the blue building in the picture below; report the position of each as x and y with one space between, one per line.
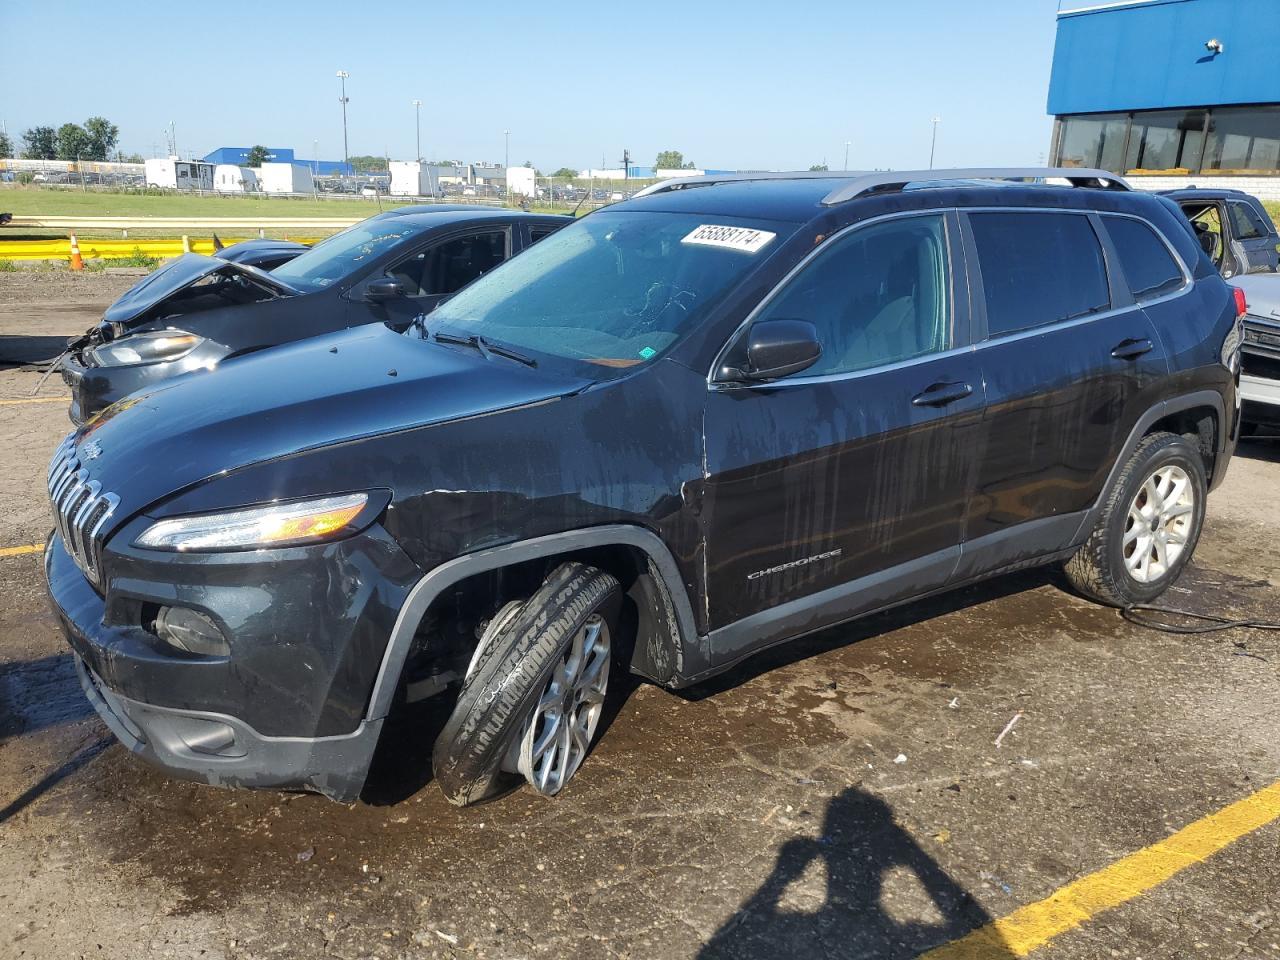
1170 88
240 156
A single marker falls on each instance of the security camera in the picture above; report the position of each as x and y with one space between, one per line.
1214 46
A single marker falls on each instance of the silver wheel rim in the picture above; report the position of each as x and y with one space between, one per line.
1158 526
556 736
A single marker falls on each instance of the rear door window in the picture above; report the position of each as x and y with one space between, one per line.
1244 222
1038 269
1144 258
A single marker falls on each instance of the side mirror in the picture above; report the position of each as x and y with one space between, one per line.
775 348
384 288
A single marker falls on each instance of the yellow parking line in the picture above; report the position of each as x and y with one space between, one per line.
1036 924
9 403
19 551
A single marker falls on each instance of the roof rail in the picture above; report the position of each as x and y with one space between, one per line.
862 183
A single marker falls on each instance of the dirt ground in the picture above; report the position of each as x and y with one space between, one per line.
842 798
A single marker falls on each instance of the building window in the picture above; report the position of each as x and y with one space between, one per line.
1241 140
1166 141
1093 141
1244 140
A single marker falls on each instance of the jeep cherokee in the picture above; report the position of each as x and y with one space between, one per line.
718 416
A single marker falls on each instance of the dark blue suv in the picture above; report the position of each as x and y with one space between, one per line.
721 415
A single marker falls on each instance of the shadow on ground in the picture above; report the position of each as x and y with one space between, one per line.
22 351
35 694
876 876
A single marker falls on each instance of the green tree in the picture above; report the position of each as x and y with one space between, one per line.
671 160
102 134
565 172
73 142
41 143
257 156
819 168
6 145
131 158
368 164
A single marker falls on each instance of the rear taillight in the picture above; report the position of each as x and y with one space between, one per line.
1242 305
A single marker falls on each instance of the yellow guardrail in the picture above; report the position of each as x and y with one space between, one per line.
112 249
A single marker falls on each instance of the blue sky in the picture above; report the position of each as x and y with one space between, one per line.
732 85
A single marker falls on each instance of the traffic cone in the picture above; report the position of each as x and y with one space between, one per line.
77 262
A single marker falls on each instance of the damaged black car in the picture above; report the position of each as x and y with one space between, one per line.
690 426
197 312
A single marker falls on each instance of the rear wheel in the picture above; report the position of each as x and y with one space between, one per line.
1149 527
534 692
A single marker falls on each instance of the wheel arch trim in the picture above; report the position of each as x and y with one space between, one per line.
1187 401
439 579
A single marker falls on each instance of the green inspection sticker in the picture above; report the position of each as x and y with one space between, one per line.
648 353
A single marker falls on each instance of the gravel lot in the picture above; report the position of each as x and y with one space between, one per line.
842 798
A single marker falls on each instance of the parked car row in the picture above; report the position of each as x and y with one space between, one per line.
678 431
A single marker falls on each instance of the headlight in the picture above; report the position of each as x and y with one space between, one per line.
274 525
150 347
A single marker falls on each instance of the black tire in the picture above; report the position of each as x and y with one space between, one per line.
509 677
1098 568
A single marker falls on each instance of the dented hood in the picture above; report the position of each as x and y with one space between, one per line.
178 275
358 383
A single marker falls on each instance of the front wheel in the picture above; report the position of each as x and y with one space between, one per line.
533 695
1149 527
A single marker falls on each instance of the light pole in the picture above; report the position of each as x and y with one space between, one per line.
846 155
933 145
417 126
342 99
315 155
506 151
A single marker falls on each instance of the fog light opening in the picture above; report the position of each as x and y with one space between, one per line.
190 632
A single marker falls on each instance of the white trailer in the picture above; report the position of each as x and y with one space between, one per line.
170 173
521 180
409 178
284 178
229 178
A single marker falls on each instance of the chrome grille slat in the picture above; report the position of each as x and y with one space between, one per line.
80 509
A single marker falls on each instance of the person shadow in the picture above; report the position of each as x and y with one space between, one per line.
884 896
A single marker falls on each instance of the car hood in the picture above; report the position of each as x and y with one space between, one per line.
178 275
1262 291
315 393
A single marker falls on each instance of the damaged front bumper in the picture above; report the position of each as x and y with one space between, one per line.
287 708
222 751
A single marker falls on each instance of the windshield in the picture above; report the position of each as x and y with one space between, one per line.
615 289
345 252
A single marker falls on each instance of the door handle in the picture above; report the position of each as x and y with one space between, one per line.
940 394
1131 349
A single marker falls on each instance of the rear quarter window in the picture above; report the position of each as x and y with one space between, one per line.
1038 269
1144 258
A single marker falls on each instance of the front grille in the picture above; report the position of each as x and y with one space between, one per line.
80 509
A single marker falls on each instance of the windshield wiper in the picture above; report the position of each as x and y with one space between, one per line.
486 348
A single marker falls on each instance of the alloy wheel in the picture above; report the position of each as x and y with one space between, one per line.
1159 524
557 735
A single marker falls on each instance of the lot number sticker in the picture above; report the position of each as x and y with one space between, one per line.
742 239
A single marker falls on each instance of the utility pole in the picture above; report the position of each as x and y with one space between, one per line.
417 127
626 164
342 99
846 155
933 146
315 155
506 151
